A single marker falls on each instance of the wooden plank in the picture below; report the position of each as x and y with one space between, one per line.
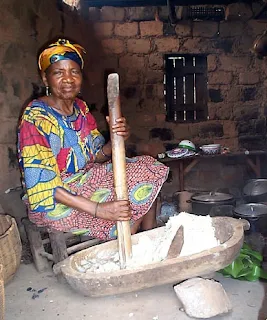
58 245
190 115
191 106
201 90
201 115
200 84
179 90
36 245
180 116
182 71
169 87
189 89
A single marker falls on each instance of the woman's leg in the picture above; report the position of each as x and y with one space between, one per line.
136 226
149 219
147 222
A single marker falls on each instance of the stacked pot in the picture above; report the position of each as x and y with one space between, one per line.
255 207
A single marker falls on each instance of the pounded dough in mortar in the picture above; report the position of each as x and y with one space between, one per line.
199 235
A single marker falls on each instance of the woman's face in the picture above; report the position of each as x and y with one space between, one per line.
64 79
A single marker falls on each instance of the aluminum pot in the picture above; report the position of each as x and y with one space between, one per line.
204 203
256 214
255 191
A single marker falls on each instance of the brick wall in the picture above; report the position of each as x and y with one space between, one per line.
236 78
25 27
136 39
133 42
19 44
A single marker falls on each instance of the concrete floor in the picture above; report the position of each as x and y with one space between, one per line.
158 303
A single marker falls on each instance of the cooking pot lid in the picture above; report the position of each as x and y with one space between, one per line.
251 209
255 187
212 197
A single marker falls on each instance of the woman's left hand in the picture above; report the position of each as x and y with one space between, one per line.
121 128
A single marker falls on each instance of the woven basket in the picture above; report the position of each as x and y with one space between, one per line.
2 294
10 247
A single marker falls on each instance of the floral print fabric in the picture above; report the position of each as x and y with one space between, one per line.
57 151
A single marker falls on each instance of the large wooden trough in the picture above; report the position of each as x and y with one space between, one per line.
229 231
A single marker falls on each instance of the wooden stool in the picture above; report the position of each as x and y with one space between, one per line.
62 244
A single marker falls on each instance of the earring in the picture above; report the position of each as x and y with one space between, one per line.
47 91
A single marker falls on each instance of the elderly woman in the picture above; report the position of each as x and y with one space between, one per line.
65 162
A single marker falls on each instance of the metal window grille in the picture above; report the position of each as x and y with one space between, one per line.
186 93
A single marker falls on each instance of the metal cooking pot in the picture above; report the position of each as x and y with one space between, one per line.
255 191
256 214
203 204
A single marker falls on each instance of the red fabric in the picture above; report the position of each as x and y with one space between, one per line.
62 159
30 136
96 183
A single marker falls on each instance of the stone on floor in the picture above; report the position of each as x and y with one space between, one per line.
203 298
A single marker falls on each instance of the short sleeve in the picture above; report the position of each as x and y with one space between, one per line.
39 166
98 141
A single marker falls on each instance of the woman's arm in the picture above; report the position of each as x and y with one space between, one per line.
104 153
38 164
115 210
122 129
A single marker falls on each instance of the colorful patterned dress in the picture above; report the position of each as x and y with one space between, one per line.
58 151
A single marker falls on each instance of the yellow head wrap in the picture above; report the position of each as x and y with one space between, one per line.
61 50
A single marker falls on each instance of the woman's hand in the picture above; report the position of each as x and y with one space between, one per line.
114 210
121 127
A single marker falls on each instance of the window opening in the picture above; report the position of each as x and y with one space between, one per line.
185 87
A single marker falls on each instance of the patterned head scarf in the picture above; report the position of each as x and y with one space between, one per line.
61 50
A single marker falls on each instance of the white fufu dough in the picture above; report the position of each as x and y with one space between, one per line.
199 235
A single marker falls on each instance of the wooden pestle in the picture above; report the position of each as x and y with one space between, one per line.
119 168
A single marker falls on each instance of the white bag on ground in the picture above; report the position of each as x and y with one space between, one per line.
203 298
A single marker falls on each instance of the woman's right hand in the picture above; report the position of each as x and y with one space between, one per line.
118 210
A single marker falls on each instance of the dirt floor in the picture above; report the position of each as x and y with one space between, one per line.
59 302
